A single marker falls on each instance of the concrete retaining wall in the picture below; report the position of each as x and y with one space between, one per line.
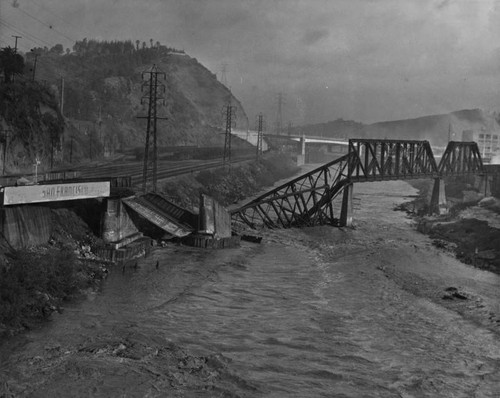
26 225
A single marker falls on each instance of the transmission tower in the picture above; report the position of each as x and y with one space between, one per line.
150 83
279 117
260 129
230 113
223 77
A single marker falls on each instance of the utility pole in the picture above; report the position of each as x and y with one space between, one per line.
51 153
151 154
223 77
15 46
5 144
61 102
230 112
279 117
34 64
260 129
99 122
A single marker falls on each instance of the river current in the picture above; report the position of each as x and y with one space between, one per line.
315 312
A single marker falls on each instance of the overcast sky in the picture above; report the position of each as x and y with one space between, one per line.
367 60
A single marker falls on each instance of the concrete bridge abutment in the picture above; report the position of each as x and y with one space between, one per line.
483 184
438 204
346 212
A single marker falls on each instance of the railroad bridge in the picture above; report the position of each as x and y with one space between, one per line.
311 198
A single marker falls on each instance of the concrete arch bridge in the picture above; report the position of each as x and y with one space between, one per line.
312 199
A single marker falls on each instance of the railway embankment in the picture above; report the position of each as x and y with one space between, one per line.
470 229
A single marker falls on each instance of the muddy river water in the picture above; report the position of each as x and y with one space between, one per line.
315 312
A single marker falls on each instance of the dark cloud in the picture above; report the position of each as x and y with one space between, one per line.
364 59
443 4
313 36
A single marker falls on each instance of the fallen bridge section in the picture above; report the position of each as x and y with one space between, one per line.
305 201
173 219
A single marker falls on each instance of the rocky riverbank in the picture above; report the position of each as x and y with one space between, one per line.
470 229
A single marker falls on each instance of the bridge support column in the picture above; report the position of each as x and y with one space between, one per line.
438 199
301 158
347 209
484 185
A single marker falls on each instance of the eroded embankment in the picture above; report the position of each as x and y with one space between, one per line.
468 230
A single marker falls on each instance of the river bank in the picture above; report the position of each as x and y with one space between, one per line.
38 281
312 312
470 230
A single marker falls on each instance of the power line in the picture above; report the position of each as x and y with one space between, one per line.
69 24
46 24
26 35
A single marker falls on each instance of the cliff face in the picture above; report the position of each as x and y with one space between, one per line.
31 125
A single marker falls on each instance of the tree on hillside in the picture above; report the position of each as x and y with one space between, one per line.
11 63
57 49
137 42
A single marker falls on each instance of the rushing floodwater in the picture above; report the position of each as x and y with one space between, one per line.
317 312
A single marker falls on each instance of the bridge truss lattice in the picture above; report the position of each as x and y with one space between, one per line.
310 199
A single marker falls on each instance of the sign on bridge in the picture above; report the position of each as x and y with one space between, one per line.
55 192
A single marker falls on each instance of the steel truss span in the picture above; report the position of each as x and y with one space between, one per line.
308 200
304 201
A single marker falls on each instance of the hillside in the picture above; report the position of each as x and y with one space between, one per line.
434 128
31 125
339 128
104 91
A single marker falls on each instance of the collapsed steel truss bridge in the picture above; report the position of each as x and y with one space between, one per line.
312 199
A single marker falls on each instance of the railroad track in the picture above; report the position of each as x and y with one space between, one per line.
164 170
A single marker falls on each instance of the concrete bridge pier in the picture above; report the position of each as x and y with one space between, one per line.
438 203
301 158
483 184
347 208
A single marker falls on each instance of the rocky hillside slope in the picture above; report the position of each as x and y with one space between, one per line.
103 87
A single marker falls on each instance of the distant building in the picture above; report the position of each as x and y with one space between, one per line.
488 142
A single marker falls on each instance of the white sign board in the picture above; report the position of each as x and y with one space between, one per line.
55 192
